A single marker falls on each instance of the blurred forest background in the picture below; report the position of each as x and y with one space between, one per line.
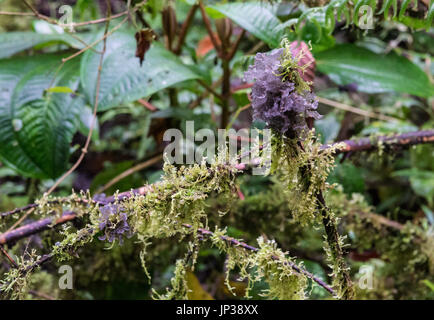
369 82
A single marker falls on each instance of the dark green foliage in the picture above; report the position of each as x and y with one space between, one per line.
334 216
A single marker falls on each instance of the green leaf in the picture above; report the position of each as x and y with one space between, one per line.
14 42
36 127
257 18
43 27
429 284
123 80
373 73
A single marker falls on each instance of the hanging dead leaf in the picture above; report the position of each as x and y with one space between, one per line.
144 39
307 59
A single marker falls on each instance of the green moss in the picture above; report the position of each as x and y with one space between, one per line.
303 171
405 251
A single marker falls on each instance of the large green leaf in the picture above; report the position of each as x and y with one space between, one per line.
372 72
255 17
13 42
123 79
36 127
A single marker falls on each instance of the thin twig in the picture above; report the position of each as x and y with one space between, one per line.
38 15
6 13
147 105
376 218
210 89
255 48
130 171
18 222
95 108
226 93
12 261
359 111
104 38
235 46
115 16
184 28
237 113
196 102
208 27
106 34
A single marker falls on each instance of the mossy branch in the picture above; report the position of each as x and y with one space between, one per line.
348 146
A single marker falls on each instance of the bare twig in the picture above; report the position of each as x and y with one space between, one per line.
210 89
12 261
380 219
106 33
147 105
226 93
7 13
235 46
237 113
18 222
130 171
352 109
209 29
104 38
196 102
38 15
95 108
184 28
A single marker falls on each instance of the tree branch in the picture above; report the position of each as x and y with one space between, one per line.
184 28
237 243
371 143
208 233
363 144
209 29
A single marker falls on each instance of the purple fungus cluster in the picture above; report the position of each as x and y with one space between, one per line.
280 97
114 223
